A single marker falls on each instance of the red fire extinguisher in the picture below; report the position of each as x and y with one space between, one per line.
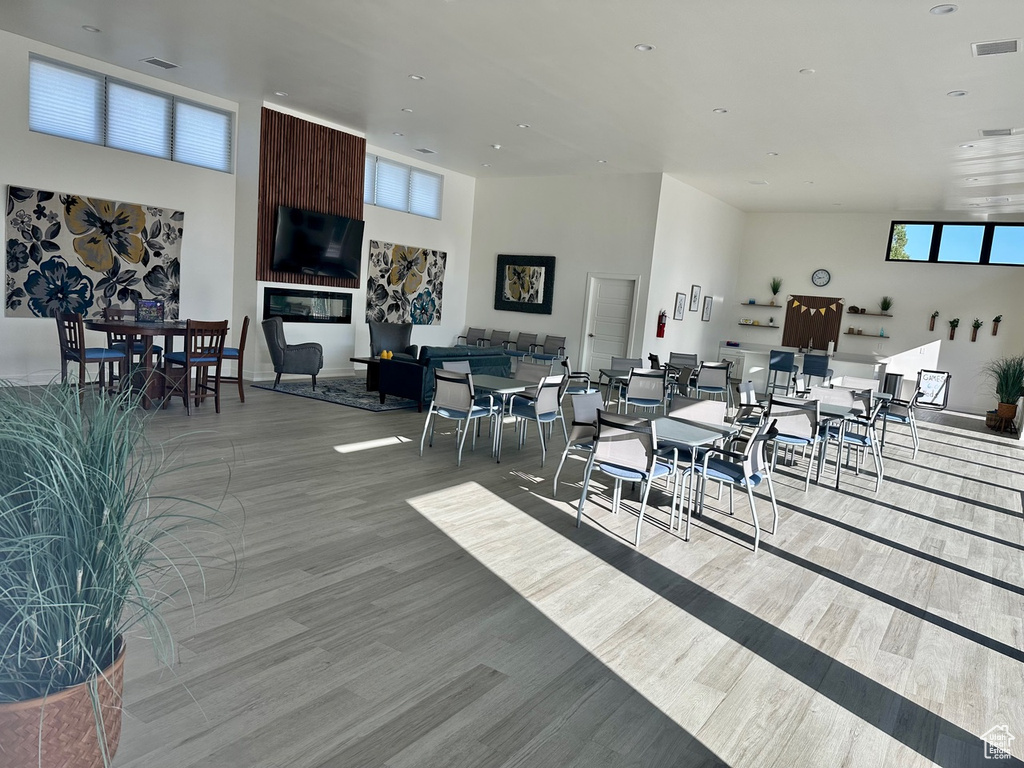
662 319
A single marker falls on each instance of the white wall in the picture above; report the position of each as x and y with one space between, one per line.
697 242
852 247
451 233
28 346
589 224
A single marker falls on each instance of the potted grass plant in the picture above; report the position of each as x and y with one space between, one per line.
1007 374
776 285
87 553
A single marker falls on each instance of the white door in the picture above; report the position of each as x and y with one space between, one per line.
608 320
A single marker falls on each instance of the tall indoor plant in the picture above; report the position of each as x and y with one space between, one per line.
86 553
1007 374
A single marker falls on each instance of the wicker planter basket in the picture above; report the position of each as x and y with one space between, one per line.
1007 411
64 733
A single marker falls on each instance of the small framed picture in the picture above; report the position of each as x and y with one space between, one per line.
694 298
706 314
677 313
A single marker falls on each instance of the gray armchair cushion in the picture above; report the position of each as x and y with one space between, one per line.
394 337
305 358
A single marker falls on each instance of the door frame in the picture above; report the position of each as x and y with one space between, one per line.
591 284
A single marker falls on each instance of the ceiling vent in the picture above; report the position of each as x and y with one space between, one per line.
995 47
425 151
989 132
162 63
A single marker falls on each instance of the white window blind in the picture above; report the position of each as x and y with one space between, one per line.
202 136
65 102
87 106
138 120
400 187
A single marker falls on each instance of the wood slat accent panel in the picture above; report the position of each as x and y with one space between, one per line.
310 166
801 327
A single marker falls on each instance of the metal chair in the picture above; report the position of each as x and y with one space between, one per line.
498 339
783 362
621 364
455 398
797 423
646 388
237 354
817 365
542 409
582 379
520 348
713 379
584 426
858 433
902 412
474 337
203 354
681 368
71 337
624 450
552 349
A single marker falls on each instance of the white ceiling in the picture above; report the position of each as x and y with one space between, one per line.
872 127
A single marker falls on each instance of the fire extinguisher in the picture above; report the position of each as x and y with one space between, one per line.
662 319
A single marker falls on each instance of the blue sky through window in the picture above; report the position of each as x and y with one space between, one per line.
1007 246
961 242
919 241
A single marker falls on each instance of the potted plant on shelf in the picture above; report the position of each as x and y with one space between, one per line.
974 328
88 553
776 285
995 324
885 304
1007 373
931 321
952 327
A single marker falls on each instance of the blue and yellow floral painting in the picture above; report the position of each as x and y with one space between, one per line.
71 253
404 284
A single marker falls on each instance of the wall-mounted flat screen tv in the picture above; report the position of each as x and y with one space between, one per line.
319 244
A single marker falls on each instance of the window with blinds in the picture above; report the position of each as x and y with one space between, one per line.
87 106
401 187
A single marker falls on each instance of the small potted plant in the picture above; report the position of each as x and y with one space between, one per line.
931 321
952 327
885 304
776 286
974 328
995 324
1007 374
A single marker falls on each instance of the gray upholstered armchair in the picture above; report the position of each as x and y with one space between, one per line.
394 337
291 358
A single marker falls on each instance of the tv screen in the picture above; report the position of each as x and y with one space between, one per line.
317 243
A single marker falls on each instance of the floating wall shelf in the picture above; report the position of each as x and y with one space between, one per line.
869 335
751 325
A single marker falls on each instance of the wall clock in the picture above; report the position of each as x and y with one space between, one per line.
821 277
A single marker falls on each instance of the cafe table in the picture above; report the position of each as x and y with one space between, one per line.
153 386
504 387
674 432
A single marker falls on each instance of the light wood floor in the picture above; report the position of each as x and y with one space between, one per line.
392 610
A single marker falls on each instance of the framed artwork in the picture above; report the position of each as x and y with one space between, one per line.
404 284
677 313
706 314
694 297
525 284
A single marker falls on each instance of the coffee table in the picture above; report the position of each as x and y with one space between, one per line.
372 371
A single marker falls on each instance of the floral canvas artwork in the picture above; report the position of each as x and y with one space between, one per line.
524 283
72 253
404 284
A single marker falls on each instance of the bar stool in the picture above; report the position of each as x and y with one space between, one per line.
817 365
780 362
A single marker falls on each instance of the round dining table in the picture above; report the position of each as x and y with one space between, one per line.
152 386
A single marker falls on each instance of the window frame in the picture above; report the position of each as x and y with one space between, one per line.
984 256
106 81
411 171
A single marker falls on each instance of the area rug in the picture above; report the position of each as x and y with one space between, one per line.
350 391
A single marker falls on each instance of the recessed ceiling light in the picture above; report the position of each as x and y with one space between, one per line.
971 178
522 125
406 109
719 111
396 133
280 93
807 71
942 10
486 165
602 161
416 77
957 94
772 154
758 182
88 28
495 146
643 47
975 205
808 182
966 146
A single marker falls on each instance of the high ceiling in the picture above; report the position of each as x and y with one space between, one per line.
869 128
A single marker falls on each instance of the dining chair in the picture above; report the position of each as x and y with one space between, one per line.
125 341
902 412
584 426
455 398
860 383
473 337
857 433
646 388
203 355
780 361
624 449
750 412
521 347
713 379
745 470
542 409
578 382
796 423
237 354
459 366
816 366
499 339
704 411
551 350
681 367
71 337
621 364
